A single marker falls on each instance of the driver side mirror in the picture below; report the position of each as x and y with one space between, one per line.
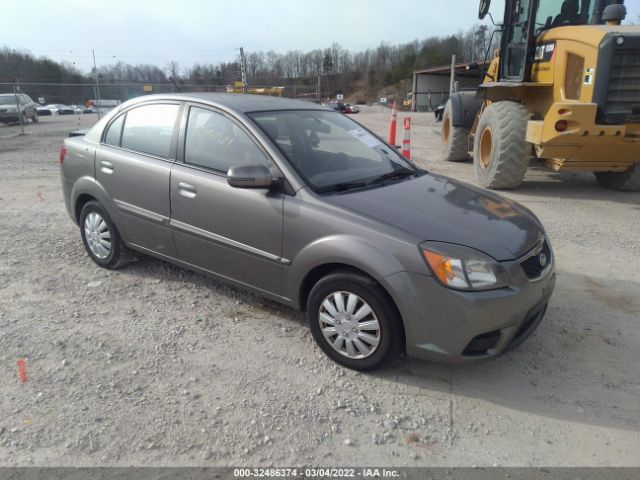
255 176
484 8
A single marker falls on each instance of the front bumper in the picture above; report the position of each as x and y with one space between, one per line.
9 117
452 326
585 144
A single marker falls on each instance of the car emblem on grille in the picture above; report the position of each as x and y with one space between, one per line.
542 260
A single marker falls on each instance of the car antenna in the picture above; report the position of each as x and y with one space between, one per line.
174 83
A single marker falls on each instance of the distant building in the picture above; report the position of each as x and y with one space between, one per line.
431 85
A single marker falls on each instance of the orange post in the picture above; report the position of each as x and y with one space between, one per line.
406 138
394 124
22 369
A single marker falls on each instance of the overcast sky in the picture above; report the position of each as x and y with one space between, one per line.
210 31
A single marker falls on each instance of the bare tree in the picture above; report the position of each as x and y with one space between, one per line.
174 69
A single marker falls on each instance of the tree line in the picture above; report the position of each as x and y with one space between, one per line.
339 68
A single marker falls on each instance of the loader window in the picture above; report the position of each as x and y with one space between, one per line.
516 40
558 13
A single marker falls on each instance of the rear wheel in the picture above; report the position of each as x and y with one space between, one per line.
353 321
101 238
455 143
500 150
627 181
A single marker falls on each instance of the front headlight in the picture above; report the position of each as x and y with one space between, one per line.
463 268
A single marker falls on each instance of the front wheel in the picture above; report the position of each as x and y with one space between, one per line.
101 238
627 181
353 321
500 150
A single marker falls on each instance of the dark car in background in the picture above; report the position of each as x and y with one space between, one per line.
13 106
305 206
65 109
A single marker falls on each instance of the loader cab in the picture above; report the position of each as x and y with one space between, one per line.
524 20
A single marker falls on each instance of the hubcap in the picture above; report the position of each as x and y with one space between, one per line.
486 147
349 324
97 234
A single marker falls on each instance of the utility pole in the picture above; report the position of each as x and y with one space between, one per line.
243 70
453 75
95 70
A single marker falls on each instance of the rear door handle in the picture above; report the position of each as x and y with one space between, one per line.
106 167
187 190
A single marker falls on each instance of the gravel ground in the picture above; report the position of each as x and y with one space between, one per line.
155 365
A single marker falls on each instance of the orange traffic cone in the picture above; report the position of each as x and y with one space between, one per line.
393 126
406 138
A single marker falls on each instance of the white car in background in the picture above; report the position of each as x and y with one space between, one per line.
47 110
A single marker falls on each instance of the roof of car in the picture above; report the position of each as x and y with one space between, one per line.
241 103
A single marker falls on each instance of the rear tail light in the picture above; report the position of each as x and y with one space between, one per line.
63 153
561 125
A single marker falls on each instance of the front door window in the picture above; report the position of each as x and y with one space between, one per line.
516 40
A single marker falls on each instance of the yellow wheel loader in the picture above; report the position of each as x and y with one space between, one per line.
563 87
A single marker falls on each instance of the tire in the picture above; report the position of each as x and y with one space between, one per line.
35 118
500 150
25 119
627 181
376 347
117 254
455 140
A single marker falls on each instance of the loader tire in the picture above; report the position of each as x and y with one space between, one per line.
627 181
500 151
455 146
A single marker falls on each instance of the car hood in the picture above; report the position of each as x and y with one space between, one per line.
437 208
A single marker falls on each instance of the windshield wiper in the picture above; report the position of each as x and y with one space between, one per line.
344 186
402 173
341 187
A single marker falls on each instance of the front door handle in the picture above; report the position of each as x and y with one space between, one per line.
187 190
106 167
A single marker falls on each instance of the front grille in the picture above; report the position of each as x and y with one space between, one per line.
623 95
535 265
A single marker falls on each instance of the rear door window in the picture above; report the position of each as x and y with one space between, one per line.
115 131
149 129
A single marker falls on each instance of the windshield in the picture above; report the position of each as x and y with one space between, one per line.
330 151
7 99
556 13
